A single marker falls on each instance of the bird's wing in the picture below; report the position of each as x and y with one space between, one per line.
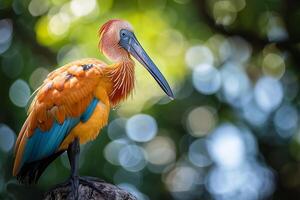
63 100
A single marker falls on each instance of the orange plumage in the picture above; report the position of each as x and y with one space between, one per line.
68 93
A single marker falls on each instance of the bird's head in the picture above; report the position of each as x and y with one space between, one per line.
118 42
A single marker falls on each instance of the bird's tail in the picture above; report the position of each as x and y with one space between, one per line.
31 172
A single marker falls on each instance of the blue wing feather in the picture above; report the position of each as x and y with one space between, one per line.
89 111
44 143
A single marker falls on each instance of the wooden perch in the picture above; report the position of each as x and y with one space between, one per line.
101 191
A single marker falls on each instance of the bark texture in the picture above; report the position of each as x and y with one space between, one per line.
100 191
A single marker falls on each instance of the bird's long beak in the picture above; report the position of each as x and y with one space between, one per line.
132 45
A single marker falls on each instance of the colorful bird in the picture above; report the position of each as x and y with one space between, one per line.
73 103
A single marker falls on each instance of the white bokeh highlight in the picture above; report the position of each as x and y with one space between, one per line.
141 128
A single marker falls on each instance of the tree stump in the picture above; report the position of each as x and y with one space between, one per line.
101 191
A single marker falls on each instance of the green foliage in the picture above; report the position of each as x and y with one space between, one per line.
233 65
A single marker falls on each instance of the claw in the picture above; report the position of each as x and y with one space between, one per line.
89 181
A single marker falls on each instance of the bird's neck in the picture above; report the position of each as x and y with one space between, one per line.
122 79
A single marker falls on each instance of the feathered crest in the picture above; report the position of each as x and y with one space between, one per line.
106 26
103 29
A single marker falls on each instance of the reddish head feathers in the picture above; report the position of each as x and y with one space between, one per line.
109 35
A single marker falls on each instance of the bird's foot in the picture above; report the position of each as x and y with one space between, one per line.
74 186
73 182
90 182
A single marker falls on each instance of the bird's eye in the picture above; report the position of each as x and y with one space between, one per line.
123 33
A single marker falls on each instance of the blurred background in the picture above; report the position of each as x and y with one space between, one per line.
231 133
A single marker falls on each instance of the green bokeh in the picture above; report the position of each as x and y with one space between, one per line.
47 34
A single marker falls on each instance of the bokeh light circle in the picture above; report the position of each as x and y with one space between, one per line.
224 12
206 79
19 93
235 84
201 120
226 146
37 77
112 150
198 153
7 138
116 128
197 55
268 93
159 146
141 128
286 120
254 114
132 158
6 29
251 181
235 49
59 24
239 4
273 65
81 8
37 8
181 179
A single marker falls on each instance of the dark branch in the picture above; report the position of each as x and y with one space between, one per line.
102 191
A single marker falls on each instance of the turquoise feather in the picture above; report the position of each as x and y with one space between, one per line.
44 143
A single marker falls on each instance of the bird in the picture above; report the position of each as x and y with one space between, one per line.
73 103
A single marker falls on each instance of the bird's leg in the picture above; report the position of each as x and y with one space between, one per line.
73 155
